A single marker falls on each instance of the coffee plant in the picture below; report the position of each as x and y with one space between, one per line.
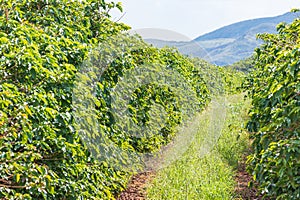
274 86
42 46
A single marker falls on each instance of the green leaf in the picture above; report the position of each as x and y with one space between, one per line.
18 178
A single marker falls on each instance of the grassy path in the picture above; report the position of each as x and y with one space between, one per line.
206 170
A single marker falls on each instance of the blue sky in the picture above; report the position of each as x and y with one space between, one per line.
193 18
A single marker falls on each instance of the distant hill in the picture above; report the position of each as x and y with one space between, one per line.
239 29
231 43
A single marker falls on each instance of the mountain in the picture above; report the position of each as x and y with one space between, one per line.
242 28
231 43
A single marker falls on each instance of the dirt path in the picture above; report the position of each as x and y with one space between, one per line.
243 178
136 188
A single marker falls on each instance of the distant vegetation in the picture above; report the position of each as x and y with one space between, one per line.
245 65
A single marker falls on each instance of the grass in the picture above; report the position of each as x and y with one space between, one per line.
206 169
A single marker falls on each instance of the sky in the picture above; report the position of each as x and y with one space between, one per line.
192 18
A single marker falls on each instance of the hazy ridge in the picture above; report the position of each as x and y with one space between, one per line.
230 43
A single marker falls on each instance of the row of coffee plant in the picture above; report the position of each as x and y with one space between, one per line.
58 139
274 86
